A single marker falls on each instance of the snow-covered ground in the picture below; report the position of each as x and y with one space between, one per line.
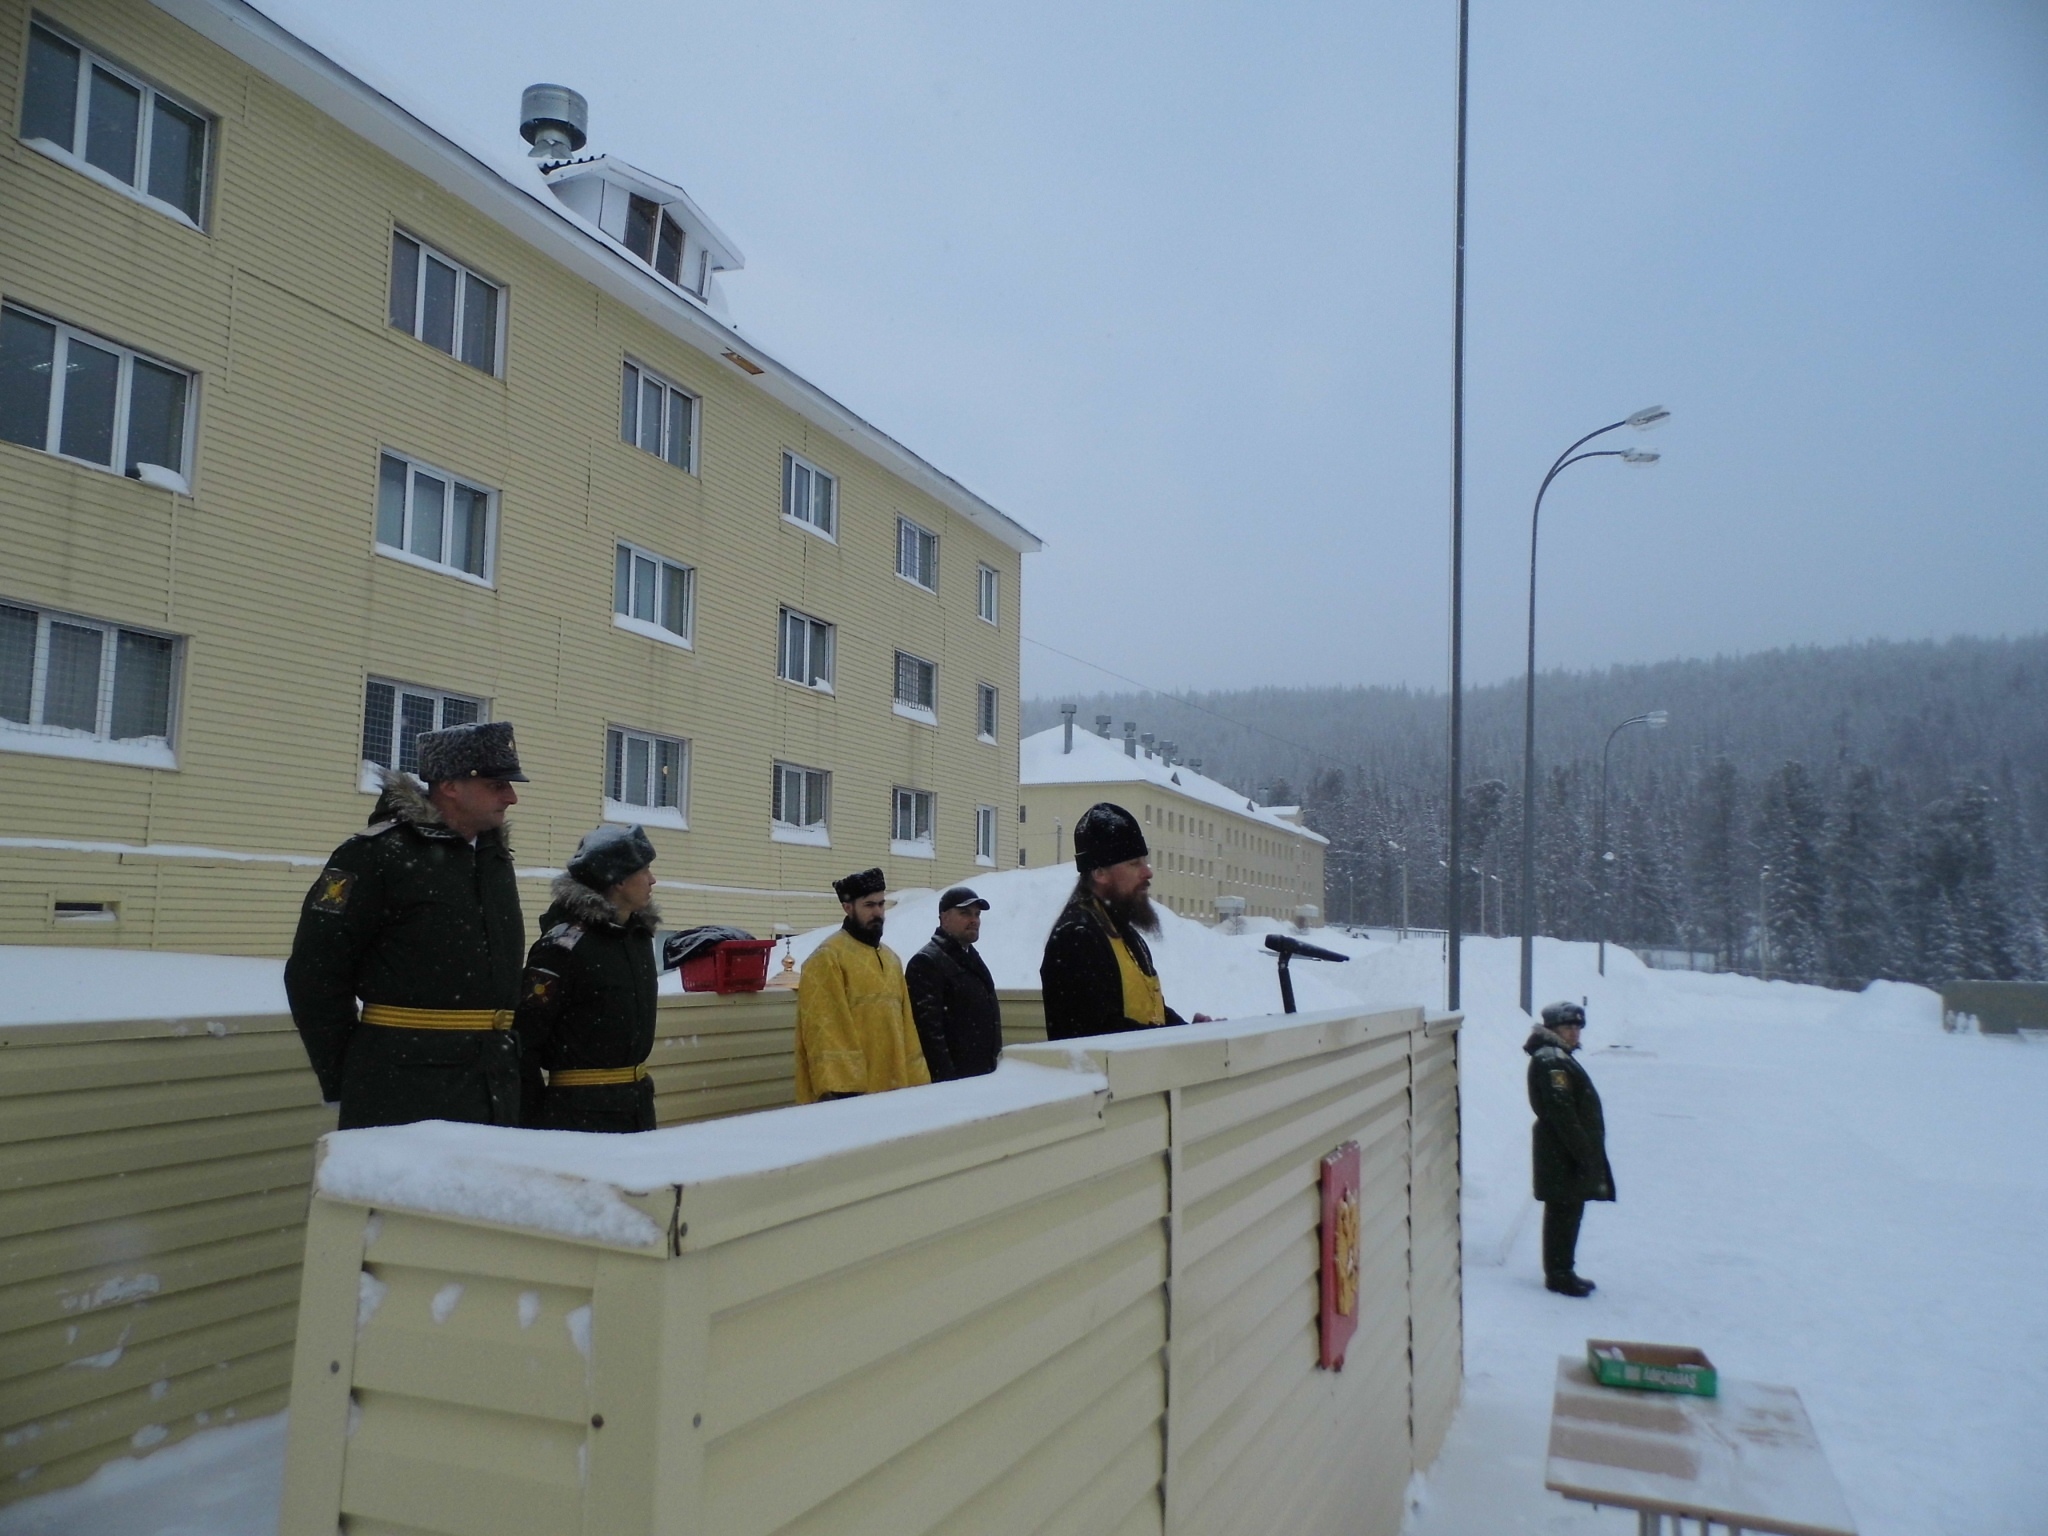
52 984
1818 1188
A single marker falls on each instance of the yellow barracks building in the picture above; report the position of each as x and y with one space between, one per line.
319 429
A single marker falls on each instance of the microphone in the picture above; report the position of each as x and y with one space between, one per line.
1281 944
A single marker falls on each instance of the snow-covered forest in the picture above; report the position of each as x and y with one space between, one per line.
1830 814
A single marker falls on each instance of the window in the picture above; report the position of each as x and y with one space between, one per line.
911 831
809 495
443 303
985 711
74 394
798 811
73 687
394 715
431 518
985 593
646 778
917 554
655 237
805 655
103 121
984 834
656 416
917 686
653 596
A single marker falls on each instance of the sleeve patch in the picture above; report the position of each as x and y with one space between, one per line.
541 987
331 892
1561 1080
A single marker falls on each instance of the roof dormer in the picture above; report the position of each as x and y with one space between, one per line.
652 218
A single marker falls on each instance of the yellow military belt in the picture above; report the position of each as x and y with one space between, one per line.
436 1018
594 1077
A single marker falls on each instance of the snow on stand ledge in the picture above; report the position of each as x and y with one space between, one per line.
578 1185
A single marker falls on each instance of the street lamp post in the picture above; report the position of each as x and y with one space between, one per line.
1641 420
1656 720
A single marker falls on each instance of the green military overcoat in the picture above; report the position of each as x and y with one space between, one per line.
410 915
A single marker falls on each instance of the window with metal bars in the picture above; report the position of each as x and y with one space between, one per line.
917 683
437 299
985 701
64 676
396 715
984 834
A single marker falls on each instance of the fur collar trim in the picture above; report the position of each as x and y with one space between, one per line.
404 799
1541 1036
580 904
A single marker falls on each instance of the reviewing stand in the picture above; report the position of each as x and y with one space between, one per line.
1746 1460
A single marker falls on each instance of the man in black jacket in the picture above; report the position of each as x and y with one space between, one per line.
952 995
1097 973
586 1005
418 917
1568 1142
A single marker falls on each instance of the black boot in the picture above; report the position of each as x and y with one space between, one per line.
1569 1284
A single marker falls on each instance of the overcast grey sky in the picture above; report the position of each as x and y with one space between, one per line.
1171 285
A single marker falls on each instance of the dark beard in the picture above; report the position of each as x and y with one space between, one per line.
869 934
1135 911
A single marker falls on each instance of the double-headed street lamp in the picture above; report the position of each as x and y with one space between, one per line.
1641 420
1656 720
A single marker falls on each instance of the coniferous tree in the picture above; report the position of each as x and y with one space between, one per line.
1717 859
1788 840
1859 917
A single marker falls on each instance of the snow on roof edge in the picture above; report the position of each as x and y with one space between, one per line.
1099 760
265 43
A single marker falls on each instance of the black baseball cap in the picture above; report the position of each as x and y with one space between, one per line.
961 896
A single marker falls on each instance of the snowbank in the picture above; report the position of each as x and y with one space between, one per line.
49 984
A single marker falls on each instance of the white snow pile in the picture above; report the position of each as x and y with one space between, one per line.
57 984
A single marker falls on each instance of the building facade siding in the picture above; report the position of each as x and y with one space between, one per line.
269 573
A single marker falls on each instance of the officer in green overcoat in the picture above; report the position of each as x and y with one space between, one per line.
586 1005
1569 1142
417 918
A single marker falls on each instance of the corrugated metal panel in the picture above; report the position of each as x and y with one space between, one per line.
1437 1273
1101 1323
153 1187
153 1182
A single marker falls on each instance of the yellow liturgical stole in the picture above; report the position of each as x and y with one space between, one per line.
1144 1001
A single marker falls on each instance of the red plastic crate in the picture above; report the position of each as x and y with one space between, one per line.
734 965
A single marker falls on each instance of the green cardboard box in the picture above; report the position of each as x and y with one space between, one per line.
1651 1367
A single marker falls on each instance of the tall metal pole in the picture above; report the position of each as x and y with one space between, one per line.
1453 898
1565 460
1600 823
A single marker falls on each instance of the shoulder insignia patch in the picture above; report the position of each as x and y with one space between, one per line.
541 987
331 891
1561 1080
563 935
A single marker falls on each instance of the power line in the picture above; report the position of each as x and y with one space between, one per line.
1244 725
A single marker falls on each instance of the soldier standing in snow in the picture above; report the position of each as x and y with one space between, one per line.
854 1031
952 995
586 1006
1097 973
1569 1142
418 916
